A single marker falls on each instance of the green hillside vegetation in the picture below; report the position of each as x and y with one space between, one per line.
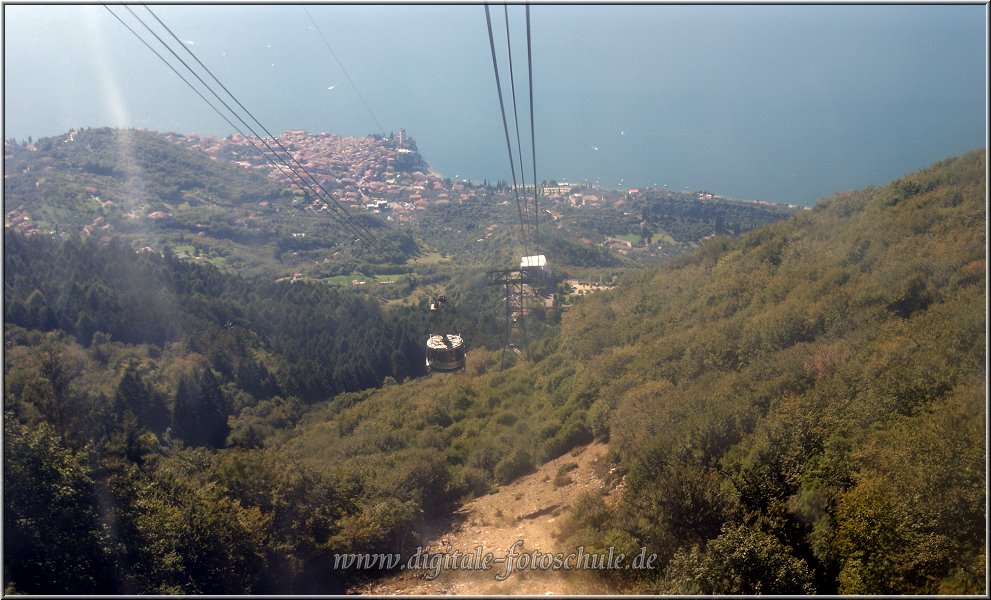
798 409
764 397
111 181
803 408
144 386
462 230
303 339
65 181
687 220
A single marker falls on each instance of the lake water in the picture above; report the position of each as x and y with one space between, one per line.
787 104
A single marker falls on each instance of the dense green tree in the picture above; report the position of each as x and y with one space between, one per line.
741 560
186 420
198 539
53 541
136 397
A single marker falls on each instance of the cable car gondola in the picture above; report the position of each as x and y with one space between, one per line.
445 352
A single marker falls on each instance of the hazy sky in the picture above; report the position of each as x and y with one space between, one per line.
785 103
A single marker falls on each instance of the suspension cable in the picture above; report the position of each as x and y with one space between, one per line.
355 224
516 120
344 219
505 127
250 139
346 74
533 143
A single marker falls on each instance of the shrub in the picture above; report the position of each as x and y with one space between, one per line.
518 463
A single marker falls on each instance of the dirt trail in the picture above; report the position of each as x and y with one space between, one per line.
530 509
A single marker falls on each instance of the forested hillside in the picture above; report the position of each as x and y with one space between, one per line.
798 409
137 185
124 371
803 408
318 339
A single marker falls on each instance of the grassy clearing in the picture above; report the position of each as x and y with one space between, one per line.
342 279
633 238
347 279
663 236
432 258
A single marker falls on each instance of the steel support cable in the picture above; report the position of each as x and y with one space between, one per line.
346 74
533 143
200 94
516 121
260 125
355 225
299 184
505 127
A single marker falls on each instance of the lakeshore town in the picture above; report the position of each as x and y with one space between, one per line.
386 174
